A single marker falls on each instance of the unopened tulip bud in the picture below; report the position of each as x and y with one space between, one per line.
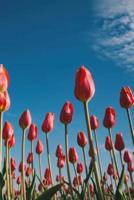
82 139
39 147
73 156
127 156
110 169
32 133
130 166
109 118
25 119
80 168
4 101
126 97
4 78
7 131
12 164
18 180
48 123
108 144
30 158
66 114
59 151
94 122
61 161
84 85
11 142
119 142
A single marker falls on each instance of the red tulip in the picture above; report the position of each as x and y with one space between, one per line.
40 186
59 151
4 78
109 118
39 147
119 142
32 133
91 189
11 142
61 161
29 171
127 156
80 179
75 181
66 113
126 97
108 144
82 139
12 164
80 168
7 131
22 167
58 178
4 101
84 85
73 156
30 158
18 180
48 123
110 169
47 176
126 178
25 119
94 122
130 166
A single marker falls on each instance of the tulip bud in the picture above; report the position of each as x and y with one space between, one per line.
22 166
119 142
18 180
66 113
48 123
94 122
82 139
4 101
126 178
75 182
92 152
61 161
7 131
84 85
130 166
32 133
39 147
91 189
12 164
110 169
4 78
73 156
108 143
25 119
79 168
58 178
109 118
29 171
127 156
11 142
126 97
80 179
59 151
30 158
47 176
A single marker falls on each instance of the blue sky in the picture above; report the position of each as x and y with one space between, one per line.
42 43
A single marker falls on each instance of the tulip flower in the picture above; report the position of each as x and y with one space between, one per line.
73 156
127 101
94 126
24 122
39 150
12 164
66 116
109 122
130 167
18 180
82 142
47 176
47 126
11 142
108 143
119 145
30 158
79 168
59 151
127 156
84 91
110 171
61 161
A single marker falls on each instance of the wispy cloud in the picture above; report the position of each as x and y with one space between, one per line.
114 31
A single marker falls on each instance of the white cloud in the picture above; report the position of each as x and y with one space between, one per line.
114 35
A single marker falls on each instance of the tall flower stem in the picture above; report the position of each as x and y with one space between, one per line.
85 162
76 176
33 159
67 160
97 178
113 152
48 158
113 165
131 178
1 127
7 173
23 162
40 170
130 124
98 154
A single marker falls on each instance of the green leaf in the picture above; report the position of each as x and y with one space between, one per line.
48 194
30 190
40 182
96 191
76 191
2 183
119 195
4 168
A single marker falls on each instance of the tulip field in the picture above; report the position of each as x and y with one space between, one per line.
87 182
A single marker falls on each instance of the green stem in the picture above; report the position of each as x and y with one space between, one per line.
7 173
113 152
40 171
130 124
33 159
97 178
67 160
1 127
23 162
85 162
98 154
